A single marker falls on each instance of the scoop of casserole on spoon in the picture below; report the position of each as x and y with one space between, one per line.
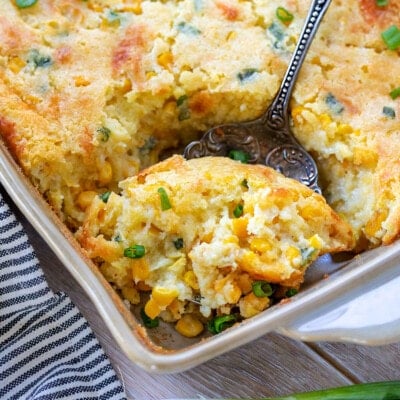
268 139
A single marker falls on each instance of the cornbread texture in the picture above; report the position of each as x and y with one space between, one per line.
92 92
183 232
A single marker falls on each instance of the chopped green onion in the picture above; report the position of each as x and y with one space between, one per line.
105 133
135 251
382 3
334 104
181 100
178 243
105 196
147 321
391 37
246 74
245 183
25 3
238 211
187 29
389 112
39 60
283 15
276 31
165 203
262 289
365 391
307 255
220 323
183 106
395 93
239 155
291 292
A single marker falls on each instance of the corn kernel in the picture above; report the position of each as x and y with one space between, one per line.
375 223
325 120
95 6
152 309
365 157
244 283
248 260
316 242
165 59
163 296
81 81
251 305
296 113
150 74
231 240
175 309
239 227
140 269
260 245
191 280
344 129
231 35
85 198
293 254
15 64
135 8
189 326
207 237
310 212
105 173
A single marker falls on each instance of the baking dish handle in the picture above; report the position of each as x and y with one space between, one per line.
371 318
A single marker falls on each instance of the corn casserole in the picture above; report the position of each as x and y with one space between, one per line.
93 93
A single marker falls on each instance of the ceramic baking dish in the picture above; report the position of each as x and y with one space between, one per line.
343 299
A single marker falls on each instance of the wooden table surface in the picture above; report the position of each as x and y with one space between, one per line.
270 366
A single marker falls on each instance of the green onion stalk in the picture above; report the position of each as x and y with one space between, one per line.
389 390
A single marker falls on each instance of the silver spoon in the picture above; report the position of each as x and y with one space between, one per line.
268 139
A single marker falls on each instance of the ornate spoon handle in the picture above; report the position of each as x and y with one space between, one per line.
276 117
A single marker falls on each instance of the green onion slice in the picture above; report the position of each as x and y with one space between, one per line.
291 292
104 133
220 323
391 37
239 155
238 211
365 391
105 196
245 183
135 251
262 289
283 15
395 93
25 3
382 3
147 321
178 243
165 203
389 112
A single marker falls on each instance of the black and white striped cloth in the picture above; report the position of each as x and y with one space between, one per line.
47 349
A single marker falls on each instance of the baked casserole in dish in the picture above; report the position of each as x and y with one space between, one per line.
95 94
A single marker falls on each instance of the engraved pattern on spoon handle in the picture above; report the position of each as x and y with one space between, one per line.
276 117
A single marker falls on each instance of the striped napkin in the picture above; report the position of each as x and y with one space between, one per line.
47 349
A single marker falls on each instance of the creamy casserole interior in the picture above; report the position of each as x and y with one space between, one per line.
92 92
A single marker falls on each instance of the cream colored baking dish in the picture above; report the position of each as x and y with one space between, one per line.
354 300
